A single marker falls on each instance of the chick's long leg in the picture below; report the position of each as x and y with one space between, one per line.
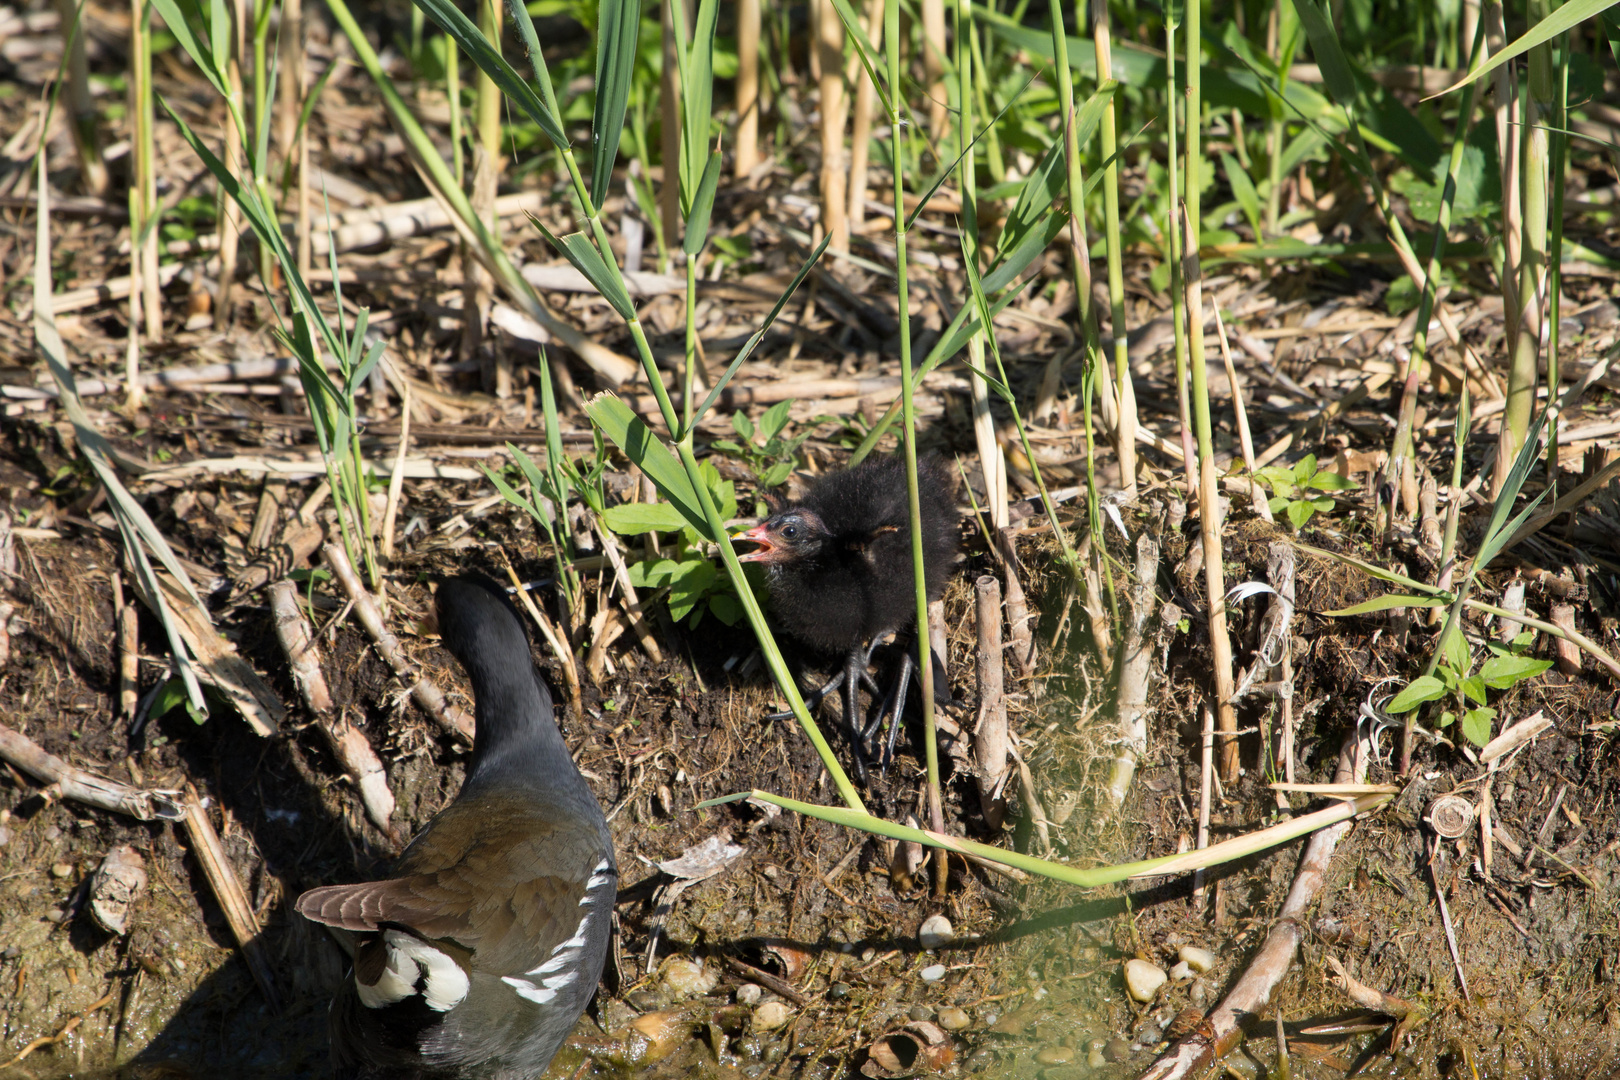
854 668
895 706
813 700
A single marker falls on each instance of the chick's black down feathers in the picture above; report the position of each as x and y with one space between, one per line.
851 578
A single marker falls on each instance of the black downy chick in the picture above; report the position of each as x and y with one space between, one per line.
841 574
474 960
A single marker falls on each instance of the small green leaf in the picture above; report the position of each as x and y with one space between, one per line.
726 608
1447 719
1501 672
1299 513
1456 652
1476 725
1328 480
1423 688
1324 505
1304 470
776 474
775 419
1473 688
633 519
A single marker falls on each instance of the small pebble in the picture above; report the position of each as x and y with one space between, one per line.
56 914
1200 960
1116 1050
61 870
749 994
838 991
1094 1054
920 1012
933 973
1054 1055
53 834
1181 972
771 1015
936 931
953 1019
1142 979
5 836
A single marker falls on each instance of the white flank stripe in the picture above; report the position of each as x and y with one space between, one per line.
528 991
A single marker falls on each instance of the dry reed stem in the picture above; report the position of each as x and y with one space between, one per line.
422 689
1135 670
64 781
990 735
933 20
627 593
348 744
1020 632
232 898
834 110
746 153
1209 516
865 101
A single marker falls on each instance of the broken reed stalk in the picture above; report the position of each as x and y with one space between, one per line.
129 648
348 744
1020 633
1277 639
422 690
1209 498
554 638
233 899
1136 668
64 781
990 737
834 178
228 213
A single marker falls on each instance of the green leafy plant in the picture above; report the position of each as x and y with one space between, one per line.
1507 667
764 449
694 585
1298 489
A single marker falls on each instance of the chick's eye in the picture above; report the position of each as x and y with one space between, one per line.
789 532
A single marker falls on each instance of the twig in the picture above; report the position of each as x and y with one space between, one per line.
233 900
627 592
69 782
348 743
422 689
990 739
780 987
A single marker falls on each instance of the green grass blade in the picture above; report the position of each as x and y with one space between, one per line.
697 218
630 434
1566 17
863 49
577 248
464 32
616 39
1214 855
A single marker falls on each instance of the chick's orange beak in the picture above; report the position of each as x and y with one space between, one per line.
760 535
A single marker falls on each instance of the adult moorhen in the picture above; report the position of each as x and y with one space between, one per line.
477 957
840 571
